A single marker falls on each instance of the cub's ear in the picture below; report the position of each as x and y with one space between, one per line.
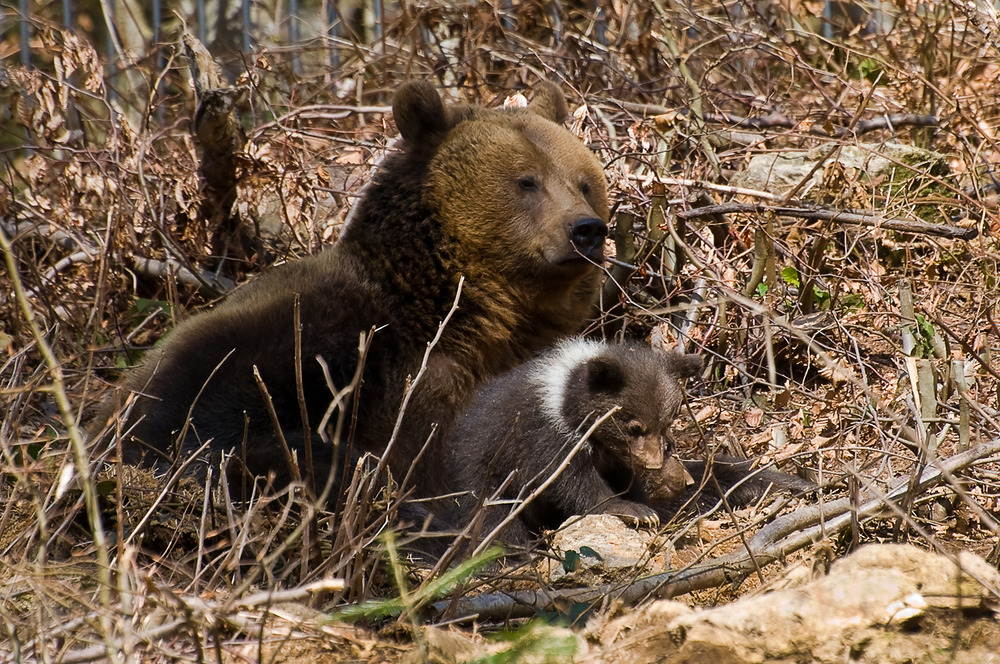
684 366
605 374
549 101
419 112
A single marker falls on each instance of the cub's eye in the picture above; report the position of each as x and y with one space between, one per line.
527 183
585 188
635 429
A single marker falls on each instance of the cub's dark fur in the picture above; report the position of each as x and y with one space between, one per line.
521 427
506 198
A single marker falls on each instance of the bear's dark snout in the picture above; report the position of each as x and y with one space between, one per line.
588 234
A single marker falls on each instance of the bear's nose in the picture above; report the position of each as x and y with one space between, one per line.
588 234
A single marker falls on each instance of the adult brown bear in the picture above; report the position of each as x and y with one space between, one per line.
506 198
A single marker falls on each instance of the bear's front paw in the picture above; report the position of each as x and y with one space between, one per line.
634 514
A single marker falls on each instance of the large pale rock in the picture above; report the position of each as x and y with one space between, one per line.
884 604
893 173
600 548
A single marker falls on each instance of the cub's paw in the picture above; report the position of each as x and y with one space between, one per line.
634 514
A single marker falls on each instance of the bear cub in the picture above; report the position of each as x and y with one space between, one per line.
522 426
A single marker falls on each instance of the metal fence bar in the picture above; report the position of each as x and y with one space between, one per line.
600 24
157 21
377 17
293 35
202 21
22 7
246 26
335 31
112 53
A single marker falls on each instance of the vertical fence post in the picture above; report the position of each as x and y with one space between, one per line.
334 31
377 16
293 35
600 24
506 18
202 29
246 26
22 7
109 24
159 59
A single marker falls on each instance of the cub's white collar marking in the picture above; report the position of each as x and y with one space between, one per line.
551 373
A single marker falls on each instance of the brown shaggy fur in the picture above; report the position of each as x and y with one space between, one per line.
506 198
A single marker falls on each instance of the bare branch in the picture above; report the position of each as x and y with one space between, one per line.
854 218
774 541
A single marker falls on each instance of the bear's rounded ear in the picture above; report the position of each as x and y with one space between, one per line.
418 111
684 366
605 374
549 102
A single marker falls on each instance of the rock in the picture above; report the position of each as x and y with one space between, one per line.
600 548
892 172
883 604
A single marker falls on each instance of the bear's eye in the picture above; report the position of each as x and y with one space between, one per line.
527 183
585 188
635 429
